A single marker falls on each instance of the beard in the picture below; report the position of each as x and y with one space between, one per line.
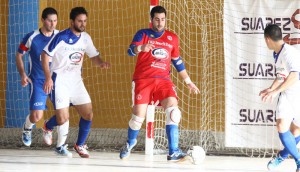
77 29
158 28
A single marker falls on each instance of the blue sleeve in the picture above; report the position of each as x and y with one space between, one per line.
136 41
178 64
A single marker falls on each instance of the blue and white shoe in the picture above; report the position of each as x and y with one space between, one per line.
126 149
176 156
275 162
26 136
298 165
63 151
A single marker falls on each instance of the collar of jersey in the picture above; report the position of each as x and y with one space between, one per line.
156 34
277 55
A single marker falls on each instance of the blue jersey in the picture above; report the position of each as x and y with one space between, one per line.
34 42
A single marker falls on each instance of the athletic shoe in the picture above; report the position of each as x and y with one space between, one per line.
63 151
298 165
47 135
82 150
176 156
126 149
26 136
275 162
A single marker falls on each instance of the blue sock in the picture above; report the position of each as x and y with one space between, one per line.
285 153
51 123
84 129
132 135
289 142
173 138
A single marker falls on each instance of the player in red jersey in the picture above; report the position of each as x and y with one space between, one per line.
156 49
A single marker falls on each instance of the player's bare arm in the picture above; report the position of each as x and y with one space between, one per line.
48 85
100 63
20 66
274 85
290 80
179 66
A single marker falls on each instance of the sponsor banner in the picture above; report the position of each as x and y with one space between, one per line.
249 68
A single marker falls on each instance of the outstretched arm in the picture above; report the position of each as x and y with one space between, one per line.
179 65
100 63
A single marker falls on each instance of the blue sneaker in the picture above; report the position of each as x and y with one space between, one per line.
125 150
176 156
63 151
26 136
275 162
298 165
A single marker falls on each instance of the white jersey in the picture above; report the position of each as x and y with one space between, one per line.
286 61
67 51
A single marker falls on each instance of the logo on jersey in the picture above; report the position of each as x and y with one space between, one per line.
139 97
160 53
70 41
169 38
38 103
75 57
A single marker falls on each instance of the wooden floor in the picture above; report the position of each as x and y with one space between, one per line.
46 160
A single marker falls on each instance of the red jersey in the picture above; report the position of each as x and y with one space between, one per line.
156 62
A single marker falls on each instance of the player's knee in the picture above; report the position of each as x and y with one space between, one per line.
61 120
173 115
136 122
88 116
36 116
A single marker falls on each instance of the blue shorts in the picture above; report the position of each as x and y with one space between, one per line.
38 97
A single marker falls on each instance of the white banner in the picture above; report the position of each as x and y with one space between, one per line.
249 68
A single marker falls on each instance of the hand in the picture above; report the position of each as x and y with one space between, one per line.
269 95
147 47
265 91
24 81
48 86
193 88
104 65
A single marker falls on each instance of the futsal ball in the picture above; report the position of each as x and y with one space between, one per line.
197 154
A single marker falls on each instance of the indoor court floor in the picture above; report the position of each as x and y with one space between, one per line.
46 161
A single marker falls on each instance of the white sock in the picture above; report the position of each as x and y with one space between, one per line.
28 124
62 134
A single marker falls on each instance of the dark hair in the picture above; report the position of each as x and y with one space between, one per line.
273 32
47 11
77 11
157 9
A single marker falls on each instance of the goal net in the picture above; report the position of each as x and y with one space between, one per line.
112 25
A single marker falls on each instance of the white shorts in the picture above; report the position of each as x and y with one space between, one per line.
288 107
68 90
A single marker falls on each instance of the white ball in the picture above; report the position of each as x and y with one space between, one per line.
197 154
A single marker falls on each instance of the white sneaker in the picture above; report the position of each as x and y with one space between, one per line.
47 135
82 151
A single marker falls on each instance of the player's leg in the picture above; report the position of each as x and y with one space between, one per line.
173 118
135 124
85 123
283 154
141 94
62 119
35 116
60 98
285 115
37 104
166 93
